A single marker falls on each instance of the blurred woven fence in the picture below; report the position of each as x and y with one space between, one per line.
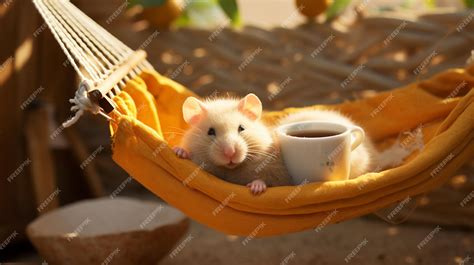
316 60
317 63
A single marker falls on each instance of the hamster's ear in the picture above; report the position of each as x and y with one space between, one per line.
193 110
251 107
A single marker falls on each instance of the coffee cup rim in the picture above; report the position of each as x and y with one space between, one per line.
283 130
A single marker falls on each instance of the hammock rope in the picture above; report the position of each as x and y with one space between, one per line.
104 63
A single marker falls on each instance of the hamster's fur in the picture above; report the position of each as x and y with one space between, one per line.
228 140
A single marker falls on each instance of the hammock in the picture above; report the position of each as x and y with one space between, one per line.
142 105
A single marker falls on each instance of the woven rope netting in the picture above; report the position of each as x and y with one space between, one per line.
314 59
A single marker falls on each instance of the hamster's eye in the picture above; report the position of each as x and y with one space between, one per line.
211 131
241 128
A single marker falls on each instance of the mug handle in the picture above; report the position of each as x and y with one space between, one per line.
359 136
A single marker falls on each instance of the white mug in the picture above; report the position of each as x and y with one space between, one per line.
311 159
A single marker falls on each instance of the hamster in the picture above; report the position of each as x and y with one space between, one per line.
227 138
363 158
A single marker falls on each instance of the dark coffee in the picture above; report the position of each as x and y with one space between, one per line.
313 134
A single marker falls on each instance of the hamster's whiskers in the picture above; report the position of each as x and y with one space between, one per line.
263 153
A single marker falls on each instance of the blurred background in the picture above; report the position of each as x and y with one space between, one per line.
301 50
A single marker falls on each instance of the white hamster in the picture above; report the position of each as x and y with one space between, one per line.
227 138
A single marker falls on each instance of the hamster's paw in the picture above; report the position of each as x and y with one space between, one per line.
181 152
257 186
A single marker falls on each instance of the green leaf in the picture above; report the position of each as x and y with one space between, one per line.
469 3
231 9
183 20
336 8
147 3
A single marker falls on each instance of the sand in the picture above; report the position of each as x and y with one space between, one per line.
370 241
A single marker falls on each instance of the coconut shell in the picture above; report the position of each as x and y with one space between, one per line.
102 231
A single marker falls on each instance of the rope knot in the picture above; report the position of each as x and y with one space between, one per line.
82 103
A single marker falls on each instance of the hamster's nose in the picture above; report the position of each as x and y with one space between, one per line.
229 152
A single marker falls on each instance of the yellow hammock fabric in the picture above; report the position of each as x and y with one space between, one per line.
150 108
